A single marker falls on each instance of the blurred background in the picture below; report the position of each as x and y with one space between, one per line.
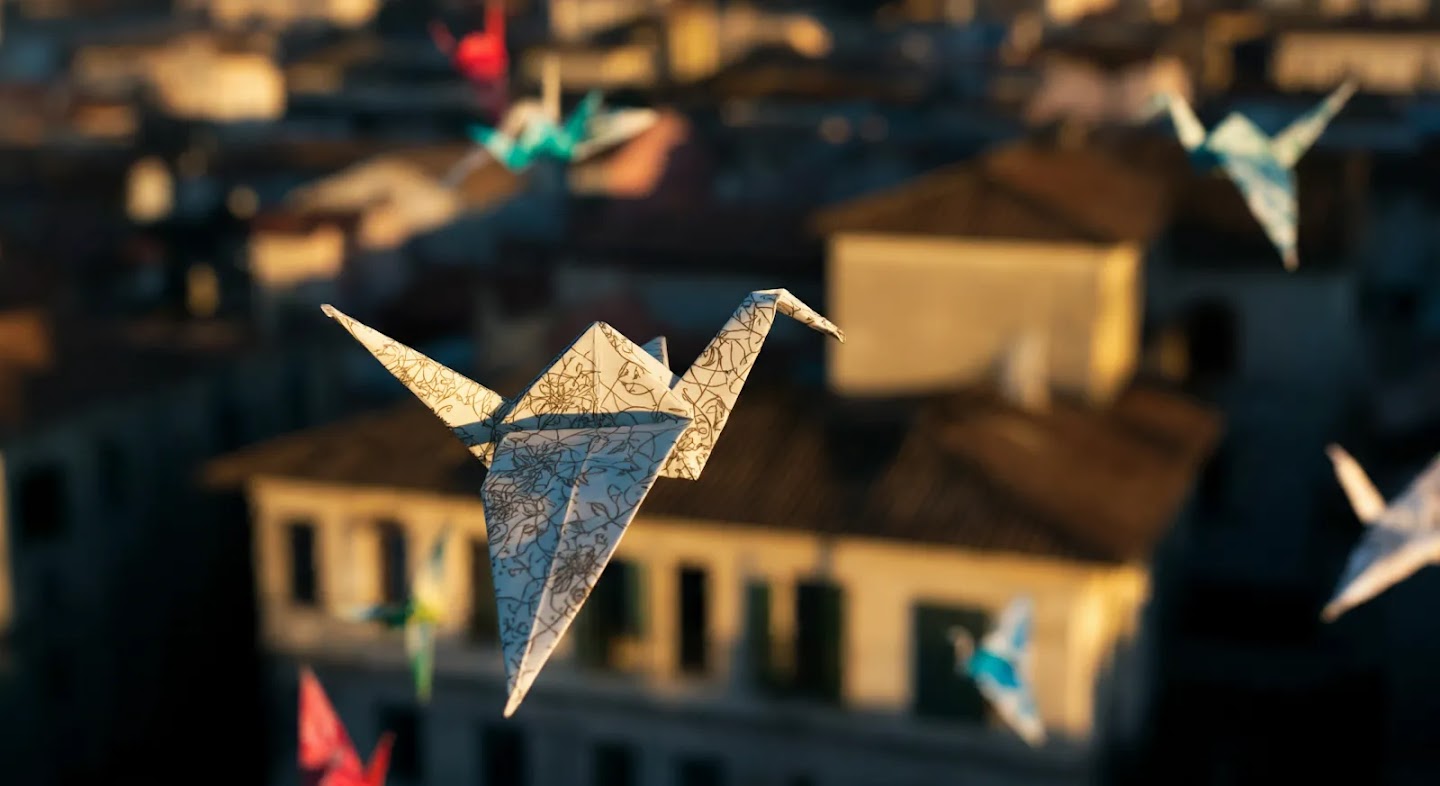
199 471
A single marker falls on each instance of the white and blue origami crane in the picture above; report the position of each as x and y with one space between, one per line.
1400 538
420 616
573 455
1000 667
1262 167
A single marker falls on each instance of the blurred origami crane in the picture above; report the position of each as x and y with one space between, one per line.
574 454
327 757
419 616
1262 167
1001 669
480 56
532 130
1400 538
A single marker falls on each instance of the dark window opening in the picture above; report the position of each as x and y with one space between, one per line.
504 750
818 640
302 564
40 504
759 653
943 689
697 771
484 625
404 723
394 586
1212 331
693 621
229 423
111 474
613 615
615 765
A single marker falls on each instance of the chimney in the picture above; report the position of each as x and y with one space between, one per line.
1024 373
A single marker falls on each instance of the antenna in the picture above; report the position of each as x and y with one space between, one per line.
550 86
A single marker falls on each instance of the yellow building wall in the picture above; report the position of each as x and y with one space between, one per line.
925 314
1080 609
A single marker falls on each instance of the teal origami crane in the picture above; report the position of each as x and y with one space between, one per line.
1262 167
419 616
1000 667
541 136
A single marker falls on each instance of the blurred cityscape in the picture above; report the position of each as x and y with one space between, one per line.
200 472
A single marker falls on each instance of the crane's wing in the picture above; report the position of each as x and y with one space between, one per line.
466 406
610 129
325 747
462 169
380 760
1364 498
1009 693
1418 508
501 147
1011 637
420 649
1383 558
387 615
658 349
557 502
430 582
1289 145
1187 126
1268 187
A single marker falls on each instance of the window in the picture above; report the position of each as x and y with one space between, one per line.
615 765
942 689
405 761
693 622
818 638
699 771
229 422
758 646
503 749
302 564
40 503
111 479
484 615
613 613
394 585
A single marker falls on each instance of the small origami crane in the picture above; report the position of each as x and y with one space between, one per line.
1001 669
573 455
1400 538
1262 167
419 616
480 56
327 757
532 130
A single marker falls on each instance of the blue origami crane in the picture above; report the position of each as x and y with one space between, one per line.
541 136
1262 167
1000 668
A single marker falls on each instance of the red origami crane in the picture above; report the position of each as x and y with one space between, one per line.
327 757
480 56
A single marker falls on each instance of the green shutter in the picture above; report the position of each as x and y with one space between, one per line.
819 640
940 691
633 619
757 635
484 613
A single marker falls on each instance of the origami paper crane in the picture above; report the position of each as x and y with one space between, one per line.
1262 167
532 130
1001 669
419 616
1400 538
327 757
480 56
573 455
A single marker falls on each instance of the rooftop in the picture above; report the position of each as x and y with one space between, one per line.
1028 190
967 471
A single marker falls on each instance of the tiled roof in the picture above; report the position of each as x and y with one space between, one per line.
966 472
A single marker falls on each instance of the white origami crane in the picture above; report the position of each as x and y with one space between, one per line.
574 454
1263 168
1001 669
1400 538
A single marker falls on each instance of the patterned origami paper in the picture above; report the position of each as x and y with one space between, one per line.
327 757
1001 669
1262 167
574 454
1400 538
419 616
